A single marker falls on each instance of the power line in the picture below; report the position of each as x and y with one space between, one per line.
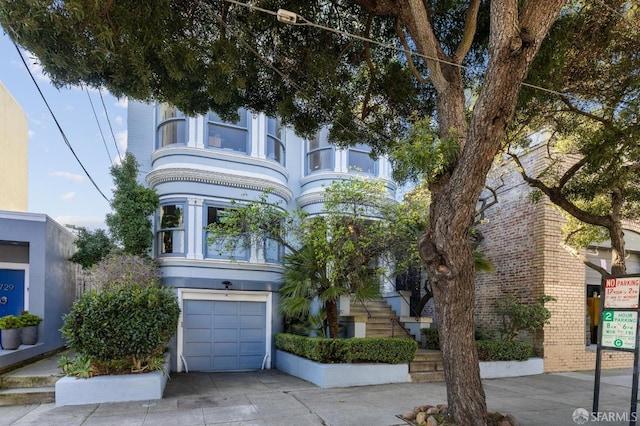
288 79
622 15
106 113
292 18
64 136
104 142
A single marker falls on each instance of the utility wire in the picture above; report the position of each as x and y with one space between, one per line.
287 78
64 136
106 113
622 15
306 22
104 142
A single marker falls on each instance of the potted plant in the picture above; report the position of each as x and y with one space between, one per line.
30 324
11 330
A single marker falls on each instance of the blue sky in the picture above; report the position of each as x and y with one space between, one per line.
58 186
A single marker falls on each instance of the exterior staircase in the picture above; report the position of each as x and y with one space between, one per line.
426 367
382 321
31 384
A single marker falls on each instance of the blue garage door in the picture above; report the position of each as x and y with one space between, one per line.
224 335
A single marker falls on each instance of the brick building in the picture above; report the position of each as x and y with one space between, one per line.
523 240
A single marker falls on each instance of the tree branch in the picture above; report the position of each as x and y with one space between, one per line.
580 256
407 53
470 25
414 16
559 199
565 100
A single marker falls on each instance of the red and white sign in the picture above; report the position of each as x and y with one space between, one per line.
621 292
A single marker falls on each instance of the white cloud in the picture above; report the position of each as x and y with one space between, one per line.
89 222
121 137
68 176
68 196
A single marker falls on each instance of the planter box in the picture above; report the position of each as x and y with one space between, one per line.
116 388
497 369
341 375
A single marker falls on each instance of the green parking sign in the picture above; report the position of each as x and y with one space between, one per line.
619 329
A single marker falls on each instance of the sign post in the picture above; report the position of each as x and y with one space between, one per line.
618 331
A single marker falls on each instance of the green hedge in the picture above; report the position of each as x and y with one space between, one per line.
488 350
432 340
125 321
386 350
503 350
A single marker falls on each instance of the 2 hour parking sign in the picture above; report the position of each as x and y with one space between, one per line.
619 329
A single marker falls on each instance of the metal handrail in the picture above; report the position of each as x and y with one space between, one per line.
365 308
396 320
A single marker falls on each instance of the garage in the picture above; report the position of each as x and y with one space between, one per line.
224 335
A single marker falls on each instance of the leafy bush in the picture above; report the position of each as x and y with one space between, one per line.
28 319
354 350
503 350
123 322
517 316
9 322
431 338
118 269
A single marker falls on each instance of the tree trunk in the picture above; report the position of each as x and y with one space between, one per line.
331 308
618 264
515 39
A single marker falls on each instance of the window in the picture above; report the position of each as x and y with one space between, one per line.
319 154
217 249
171 229
172 126
230 136
273 251
360 160
275 143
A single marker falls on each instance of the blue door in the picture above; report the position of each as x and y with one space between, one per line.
224 335
11 292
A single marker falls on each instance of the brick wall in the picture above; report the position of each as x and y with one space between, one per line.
523 240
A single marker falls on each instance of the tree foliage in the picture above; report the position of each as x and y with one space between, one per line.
593 167
93 246
132 204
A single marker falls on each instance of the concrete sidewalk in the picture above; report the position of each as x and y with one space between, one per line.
270 397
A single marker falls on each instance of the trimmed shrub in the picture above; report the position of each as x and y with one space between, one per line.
431 338
503 350
123 322
369 349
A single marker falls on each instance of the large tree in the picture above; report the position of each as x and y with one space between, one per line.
592 170
220 55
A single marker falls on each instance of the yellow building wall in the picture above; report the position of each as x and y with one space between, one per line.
14 149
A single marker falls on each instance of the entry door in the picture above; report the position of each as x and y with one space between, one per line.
224 335
11 292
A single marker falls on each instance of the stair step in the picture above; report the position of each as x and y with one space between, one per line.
426 377
27 396
428 355
16 382
419 367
